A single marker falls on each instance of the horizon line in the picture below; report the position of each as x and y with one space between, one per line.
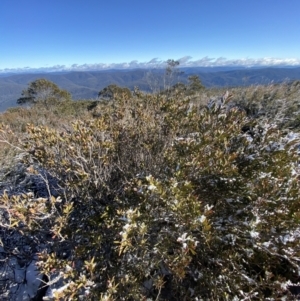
155 63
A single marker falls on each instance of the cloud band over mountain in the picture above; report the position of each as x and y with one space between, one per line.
156 63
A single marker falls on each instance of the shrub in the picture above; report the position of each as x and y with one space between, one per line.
113 91
164 202
219 223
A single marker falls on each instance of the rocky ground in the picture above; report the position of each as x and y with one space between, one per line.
20 279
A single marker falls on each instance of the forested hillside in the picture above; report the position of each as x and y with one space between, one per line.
86 85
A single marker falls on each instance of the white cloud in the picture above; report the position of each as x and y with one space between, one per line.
185 61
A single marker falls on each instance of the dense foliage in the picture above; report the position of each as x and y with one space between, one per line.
161 197
112 91
45 92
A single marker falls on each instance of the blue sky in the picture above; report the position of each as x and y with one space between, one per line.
95 34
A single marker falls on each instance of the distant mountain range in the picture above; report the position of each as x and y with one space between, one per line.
86 85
